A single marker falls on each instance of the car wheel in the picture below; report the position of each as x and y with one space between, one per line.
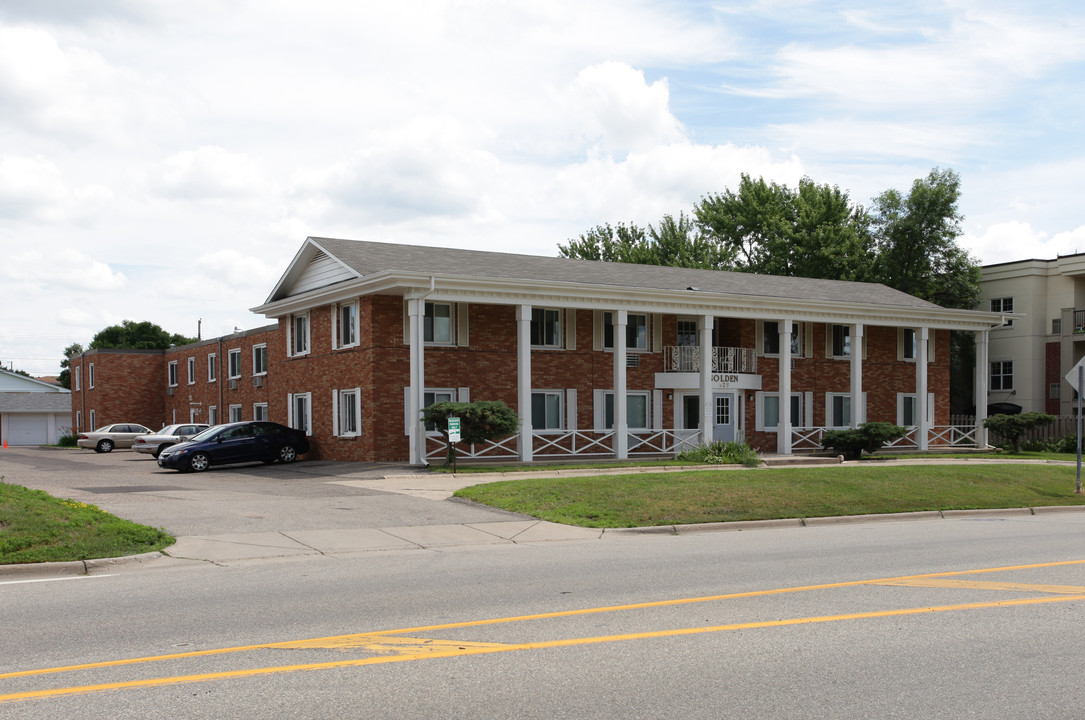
104 446
199 462
157 452
288 454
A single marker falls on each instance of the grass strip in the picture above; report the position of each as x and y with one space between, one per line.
682 498
37 527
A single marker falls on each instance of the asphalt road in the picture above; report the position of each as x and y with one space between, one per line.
957 618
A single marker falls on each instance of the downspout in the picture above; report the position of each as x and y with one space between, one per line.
82 392
218 376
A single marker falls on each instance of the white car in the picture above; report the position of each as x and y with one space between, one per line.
107 437
159 440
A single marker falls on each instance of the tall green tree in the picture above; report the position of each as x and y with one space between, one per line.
916 242
675 242
138 336
771 229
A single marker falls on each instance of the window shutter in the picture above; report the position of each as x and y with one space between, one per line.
570 329
657 333
462 335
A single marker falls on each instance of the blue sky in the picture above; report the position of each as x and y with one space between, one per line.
164 161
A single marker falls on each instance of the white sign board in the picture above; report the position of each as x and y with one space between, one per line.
1071 377
454 429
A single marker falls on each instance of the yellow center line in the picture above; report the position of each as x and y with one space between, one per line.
460 650
521 618
978 585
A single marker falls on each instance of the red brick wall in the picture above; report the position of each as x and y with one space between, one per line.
1052 374
199 396
127 387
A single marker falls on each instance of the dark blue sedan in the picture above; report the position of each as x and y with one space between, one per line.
236 443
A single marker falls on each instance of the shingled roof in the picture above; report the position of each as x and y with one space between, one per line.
371 258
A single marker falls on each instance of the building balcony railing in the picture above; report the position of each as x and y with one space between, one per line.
724 359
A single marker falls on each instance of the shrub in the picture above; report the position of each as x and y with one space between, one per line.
479 421
1011 428
1064 444
869 436
67 440
722 453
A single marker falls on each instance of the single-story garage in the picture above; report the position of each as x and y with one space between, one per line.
32 412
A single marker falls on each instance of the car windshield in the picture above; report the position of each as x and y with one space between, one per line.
205 434
168 430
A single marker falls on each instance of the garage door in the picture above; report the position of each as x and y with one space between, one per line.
28 429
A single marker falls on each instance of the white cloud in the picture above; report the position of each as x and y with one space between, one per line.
71 270
1014 240
208 173
622 110
430 167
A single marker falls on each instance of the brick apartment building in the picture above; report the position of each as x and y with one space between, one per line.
367 334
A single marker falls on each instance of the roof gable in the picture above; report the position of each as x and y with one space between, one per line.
312 268
15 382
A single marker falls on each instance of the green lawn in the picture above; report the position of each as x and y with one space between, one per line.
37 527
680 498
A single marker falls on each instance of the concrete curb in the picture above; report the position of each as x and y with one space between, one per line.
30 571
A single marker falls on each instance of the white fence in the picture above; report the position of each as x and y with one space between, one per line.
571 444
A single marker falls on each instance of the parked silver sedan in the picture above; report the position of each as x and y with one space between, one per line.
159 440
107 437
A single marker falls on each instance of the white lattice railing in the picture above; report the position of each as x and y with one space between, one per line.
662 442
938 436
573 443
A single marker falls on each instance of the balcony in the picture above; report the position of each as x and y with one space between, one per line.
724 359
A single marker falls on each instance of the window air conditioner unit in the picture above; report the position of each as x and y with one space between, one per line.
233 384
169 390
258 381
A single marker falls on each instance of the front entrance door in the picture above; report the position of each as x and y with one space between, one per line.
723 428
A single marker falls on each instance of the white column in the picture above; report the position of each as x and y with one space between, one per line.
922 424
523 378
705 324
621 420
982 369
783 435
858 410
416 309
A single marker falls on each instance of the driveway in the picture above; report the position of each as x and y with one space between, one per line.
257 511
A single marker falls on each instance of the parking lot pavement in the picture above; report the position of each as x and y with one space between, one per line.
261 511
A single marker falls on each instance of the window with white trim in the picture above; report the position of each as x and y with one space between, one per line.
78 419
1003 305
234 363
235 413
1002 375
93 421
348 413
76 374
212 367
841 341
301 412
838 409
769 415
687 333
429 397
213 415
437 323
637 410
192 371
299 334
907 411
90 375
636 331
909 345
259 411
346 331
770 338
545 327
171 372
546 410
259 359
